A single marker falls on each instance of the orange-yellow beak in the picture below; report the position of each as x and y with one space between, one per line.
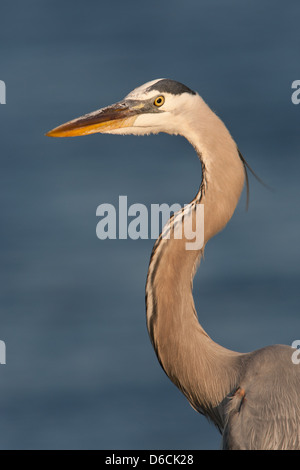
104 120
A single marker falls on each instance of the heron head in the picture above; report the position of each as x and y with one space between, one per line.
161 105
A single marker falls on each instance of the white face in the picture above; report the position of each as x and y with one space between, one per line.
164 112
170 107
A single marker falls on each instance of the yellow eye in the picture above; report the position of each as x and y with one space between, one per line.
159 101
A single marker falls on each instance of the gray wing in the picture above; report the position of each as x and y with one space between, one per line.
264 412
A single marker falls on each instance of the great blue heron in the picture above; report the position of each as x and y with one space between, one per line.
253 398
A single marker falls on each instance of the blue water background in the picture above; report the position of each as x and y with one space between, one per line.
81 372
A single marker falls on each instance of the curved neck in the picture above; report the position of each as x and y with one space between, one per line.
203 370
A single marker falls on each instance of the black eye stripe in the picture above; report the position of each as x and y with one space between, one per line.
170 86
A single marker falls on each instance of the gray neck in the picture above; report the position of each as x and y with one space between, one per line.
203 370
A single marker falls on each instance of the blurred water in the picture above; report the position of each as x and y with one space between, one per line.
80 369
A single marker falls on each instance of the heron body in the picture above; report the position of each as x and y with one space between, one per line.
251 397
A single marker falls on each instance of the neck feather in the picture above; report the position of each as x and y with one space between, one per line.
203 370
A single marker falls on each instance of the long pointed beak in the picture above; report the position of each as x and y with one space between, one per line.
104 120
